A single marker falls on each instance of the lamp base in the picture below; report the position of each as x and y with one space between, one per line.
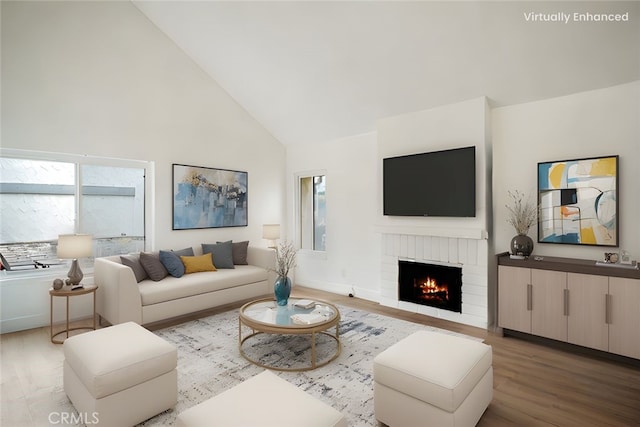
75 274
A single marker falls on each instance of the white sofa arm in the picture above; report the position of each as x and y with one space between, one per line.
263 257
118 298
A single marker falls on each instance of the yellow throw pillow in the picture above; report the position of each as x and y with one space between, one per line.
195 264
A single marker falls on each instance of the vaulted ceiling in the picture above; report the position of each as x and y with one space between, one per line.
316 71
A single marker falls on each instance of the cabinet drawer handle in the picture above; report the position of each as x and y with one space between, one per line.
529 297
607 309
566 302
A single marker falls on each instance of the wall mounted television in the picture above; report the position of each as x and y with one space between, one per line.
434 184
578 201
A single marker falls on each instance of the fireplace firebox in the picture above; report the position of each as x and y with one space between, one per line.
434 285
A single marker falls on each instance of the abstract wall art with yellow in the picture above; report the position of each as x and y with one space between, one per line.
578 201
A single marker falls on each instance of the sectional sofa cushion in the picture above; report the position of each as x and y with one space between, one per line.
173 289
153 266
222 253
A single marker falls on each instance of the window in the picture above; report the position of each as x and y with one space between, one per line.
312 212
43 195
112 201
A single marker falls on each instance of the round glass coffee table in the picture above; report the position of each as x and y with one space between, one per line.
313 318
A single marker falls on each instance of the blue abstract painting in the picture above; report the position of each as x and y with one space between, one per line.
208 198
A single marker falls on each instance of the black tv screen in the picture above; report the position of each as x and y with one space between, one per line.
439 184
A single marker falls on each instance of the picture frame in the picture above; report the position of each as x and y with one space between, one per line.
611 257
206 197
578 201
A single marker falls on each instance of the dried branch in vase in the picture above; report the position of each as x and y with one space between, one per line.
522 213
285 258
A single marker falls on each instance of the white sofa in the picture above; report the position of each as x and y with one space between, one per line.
121 299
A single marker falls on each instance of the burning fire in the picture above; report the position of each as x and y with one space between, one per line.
430 289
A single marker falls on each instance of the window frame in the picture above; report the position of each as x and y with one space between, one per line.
78 160
298 227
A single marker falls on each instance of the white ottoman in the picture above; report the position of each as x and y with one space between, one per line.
264 400
120 375
433 379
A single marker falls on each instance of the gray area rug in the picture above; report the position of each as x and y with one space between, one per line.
209 361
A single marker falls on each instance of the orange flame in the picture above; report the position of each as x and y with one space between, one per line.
432 290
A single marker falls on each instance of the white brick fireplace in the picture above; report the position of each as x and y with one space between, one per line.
462 242
468 250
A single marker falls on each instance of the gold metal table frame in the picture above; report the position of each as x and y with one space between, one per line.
67 292
260 327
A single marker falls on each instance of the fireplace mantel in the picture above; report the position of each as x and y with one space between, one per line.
452 232
438 245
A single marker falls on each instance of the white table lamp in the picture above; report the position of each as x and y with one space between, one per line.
74 246
271 232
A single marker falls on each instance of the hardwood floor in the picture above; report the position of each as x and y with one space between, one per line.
534 384
539 385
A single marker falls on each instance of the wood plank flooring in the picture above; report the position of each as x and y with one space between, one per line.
534 384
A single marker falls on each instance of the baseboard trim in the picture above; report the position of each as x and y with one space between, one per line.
340 289
572 348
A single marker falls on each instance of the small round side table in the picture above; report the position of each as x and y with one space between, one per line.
67 292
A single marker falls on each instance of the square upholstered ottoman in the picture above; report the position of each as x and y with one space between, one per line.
433 379
120 375
265 400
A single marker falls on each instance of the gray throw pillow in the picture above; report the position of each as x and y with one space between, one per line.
239 252
172 262
222 253
133 262
184 252
153 266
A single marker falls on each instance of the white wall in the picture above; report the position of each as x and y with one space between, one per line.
354 197
587 124
98 78
352 248
451 126
514 139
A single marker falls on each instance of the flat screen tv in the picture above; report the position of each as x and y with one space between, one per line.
434 184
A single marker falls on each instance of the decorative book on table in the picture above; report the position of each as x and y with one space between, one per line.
305 303
319 314
307 318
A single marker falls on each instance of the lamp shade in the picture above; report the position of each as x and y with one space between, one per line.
271 231
73 246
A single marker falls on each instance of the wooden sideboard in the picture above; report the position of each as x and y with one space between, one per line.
571 300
